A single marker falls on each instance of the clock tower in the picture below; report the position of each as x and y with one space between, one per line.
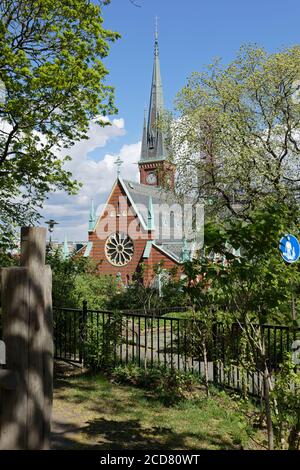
155 167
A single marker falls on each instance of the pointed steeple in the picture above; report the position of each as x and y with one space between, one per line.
153 148
92 217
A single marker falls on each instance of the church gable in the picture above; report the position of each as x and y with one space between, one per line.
119 239
121 204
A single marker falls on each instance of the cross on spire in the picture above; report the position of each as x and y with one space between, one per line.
118 162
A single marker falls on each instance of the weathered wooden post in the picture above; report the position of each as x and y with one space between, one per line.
26 383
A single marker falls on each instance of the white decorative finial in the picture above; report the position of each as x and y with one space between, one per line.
156 27
118 162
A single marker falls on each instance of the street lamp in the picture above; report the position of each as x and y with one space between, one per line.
51 223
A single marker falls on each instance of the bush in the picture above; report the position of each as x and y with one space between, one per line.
102 337
95 289
76 279
168 385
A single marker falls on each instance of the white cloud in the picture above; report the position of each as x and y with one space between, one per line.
96 176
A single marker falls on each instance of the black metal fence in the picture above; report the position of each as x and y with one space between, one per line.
105 338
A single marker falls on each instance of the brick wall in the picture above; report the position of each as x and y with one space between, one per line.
108 224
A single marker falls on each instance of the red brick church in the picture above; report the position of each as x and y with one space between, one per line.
136 230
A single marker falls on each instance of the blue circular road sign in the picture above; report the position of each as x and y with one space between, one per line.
290 248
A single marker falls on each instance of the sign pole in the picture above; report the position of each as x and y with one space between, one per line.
290 252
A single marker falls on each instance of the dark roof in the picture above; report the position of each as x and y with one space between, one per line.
140 194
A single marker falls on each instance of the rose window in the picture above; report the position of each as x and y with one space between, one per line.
119 249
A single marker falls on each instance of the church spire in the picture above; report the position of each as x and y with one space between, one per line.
153 147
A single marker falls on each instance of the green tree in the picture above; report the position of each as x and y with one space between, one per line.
253 286
54 78
237 135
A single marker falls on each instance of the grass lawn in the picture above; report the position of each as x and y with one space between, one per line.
90 412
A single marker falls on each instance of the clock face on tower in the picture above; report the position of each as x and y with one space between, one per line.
151 178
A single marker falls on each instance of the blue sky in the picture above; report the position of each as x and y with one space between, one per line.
191 34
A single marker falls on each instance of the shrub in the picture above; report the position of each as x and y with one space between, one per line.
76 279
101 340
167 385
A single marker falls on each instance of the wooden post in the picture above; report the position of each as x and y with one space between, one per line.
25 412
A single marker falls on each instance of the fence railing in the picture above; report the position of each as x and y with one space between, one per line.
156 311
105 338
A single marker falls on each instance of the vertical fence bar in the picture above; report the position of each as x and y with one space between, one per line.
120 339
139 341
83 320
199 359
171 328
103 336
158 345
178 345
61 334
146 338
70 336
237 353
133 337
269 359
65 335
165 343
115 340
98 332
275 348
152 341
184 342
126 353
73 356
